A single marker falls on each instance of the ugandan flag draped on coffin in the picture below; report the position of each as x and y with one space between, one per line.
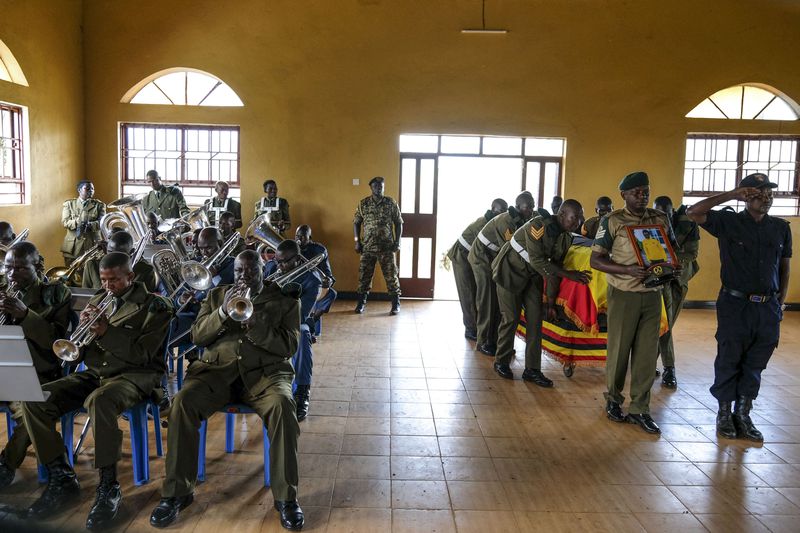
579 335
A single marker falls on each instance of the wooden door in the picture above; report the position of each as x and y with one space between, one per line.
418 176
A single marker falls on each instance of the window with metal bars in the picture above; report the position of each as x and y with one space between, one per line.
12 155
716 163
194 157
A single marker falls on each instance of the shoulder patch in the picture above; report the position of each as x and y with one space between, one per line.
536 233
601 232
507 235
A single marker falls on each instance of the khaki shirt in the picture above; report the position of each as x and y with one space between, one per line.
166 203
492 237
378 220
73 213
252 354
531 254
132 347
612 237
460 249
142 269
47 320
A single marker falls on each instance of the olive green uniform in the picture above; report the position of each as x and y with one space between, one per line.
123 368
166 203
520 270
278 210
215 207
687 236
142 269
462 271
484 249
73 214
589 228
243 366
47 320
378 220
634 312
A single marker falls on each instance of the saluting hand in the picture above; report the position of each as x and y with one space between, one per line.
743 194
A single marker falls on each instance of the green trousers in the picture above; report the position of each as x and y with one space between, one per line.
488 313
465 285
511 304
633 324
104 400
207 393
17 446
674 296
366 271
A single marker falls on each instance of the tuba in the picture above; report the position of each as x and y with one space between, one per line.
129 216
265 233
4 248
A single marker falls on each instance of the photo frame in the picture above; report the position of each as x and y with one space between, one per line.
654 253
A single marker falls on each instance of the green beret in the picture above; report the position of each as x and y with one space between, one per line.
633 180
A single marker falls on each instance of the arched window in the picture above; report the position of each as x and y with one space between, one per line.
9 68
182 86
749 101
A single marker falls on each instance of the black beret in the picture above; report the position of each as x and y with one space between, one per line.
633 180
376 179
758 180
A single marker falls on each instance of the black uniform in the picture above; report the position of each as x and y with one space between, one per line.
748 311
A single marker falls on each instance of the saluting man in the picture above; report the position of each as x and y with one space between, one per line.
81 216
634 311
165 202
534 253
755 250
462 271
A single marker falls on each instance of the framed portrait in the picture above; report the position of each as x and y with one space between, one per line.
654 252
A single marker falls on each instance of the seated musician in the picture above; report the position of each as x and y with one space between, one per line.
124 364
120 241
7 234
311 249
277 208
156 236
220 204
288 257
245 362
43 311
227 225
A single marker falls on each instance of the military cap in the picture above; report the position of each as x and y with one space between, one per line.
633 180
376 179
757 180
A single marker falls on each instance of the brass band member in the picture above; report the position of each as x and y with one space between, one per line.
246 362
7 234
278 208
227 226
124 364
164 201
43 311
219 204
81 216
310 249
120 241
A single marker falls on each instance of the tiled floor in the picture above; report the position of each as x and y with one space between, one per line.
411 430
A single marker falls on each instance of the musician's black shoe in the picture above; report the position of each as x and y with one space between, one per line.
614 412
644 421
504 371
471 334
62 489
395 304
6 473
487 349
106 504
291 515
668 378
536 376
362 302
301 399
166 512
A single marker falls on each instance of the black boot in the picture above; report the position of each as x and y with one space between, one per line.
106 504
6 472
535 376
725 426
741 419
62 489
301 398
395 304
668 378
291 515
362 302
166 512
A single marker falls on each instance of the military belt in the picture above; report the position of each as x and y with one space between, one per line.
464 243
755 298
520 250
489 244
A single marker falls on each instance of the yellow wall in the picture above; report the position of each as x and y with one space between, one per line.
328 86
45 37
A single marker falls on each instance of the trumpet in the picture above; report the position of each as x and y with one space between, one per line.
69 350
240 307
4 248
12 292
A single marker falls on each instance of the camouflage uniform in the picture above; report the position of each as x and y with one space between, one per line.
465 280
519 270
377 242
73 213
166 203
484 249
687 234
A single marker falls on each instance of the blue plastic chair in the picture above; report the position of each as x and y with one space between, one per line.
11 424
230 410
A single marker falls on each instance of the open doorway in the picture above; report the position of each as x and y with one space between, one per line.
447 181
